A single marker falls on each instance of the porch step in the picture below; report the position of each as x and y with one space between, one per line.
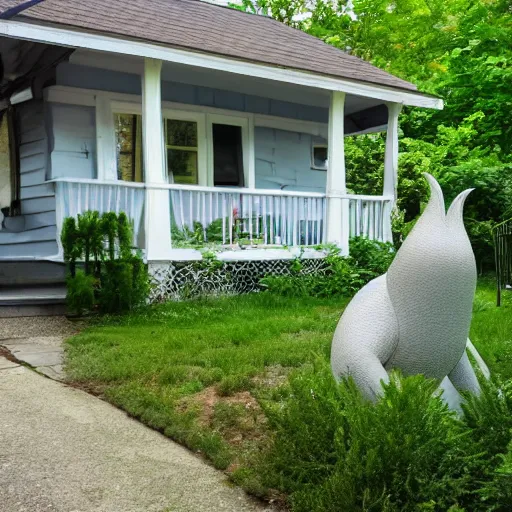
41 234
31 273
35 243
32 300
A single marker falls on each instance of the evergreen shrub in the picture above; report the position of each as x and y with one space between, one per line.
332 450
114 278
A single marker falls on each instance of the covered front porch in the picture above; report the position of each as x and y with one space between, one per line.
268 182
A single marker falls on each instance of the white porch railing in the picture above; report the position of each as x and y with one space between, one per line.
225 216
252 216
74 196
368 215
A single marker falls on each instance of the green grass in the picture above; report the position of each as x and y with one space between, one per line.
491 328
196 370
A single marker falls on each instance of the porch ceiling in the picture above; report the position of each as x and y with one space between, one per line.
22 62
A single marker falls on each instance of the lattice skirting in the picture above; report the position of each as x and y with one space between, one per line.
177 280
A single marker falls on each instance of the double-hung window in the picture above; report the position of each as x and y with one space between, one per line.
185 147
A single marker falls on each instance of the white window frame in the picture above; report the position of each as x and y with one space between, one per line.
202 148
313 146
205 117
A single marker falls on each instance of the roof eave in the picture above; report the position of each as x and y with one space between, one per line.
74 38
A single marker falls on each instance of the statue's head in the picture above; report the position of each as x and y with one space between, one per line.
439 236
435 210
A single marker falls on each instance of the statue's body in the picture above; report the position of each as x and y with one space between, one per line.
416 317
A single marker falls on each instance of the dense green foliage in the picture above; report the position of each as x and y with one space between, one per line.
80 292
334 451
459 50
113 277
341 277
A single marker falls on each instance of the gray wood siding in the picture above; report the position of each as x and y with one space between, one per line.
283 159
74 75
73 148
38 239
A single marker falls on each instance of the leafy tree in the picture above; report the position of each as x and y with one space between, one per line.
460 50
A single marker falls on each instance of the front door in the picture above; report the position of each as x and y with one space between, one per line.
228 162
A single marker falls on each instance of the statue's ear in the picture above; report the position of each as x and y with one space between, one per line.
454 215
435 206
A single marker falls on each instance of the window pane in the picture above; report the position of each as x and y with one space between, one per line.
183 166
181 133
320 157
128 133
227 155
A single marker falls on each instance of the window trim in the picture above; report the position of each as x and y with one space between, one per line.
313 146
196 117
205 118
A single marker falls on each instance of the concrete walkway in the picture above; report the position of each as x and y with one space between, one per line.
63 450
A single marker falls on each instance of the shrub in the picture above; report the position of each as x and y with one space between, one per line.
372 256
342 277
498 492
71 244
305 425
488 417
91 240
120 280
80 292
115 295
332 450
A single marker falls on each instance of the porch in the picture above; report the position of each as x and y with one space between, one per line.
272 183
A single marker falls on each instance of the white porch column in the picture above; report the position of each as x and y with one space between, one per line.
391 166
337 207
157 207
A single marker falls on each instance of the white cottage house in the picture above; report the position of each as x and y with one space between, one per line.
185 115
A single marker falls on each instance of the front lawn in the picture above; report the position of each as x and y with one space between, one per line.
198 371
194 370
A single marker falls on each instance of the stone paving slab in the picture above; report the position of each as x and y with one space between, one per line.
40 359
44 353
32 348
63 450
55 372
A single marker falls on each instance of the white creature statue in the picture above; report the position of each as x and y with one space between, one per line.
416 317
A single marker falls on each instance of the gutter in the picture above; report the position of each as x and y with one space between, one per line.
13 11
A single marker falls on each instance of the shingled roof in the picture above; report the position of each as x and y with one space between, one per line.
199 26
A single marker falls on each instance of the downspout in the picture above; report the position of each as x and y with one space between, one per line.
13 11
